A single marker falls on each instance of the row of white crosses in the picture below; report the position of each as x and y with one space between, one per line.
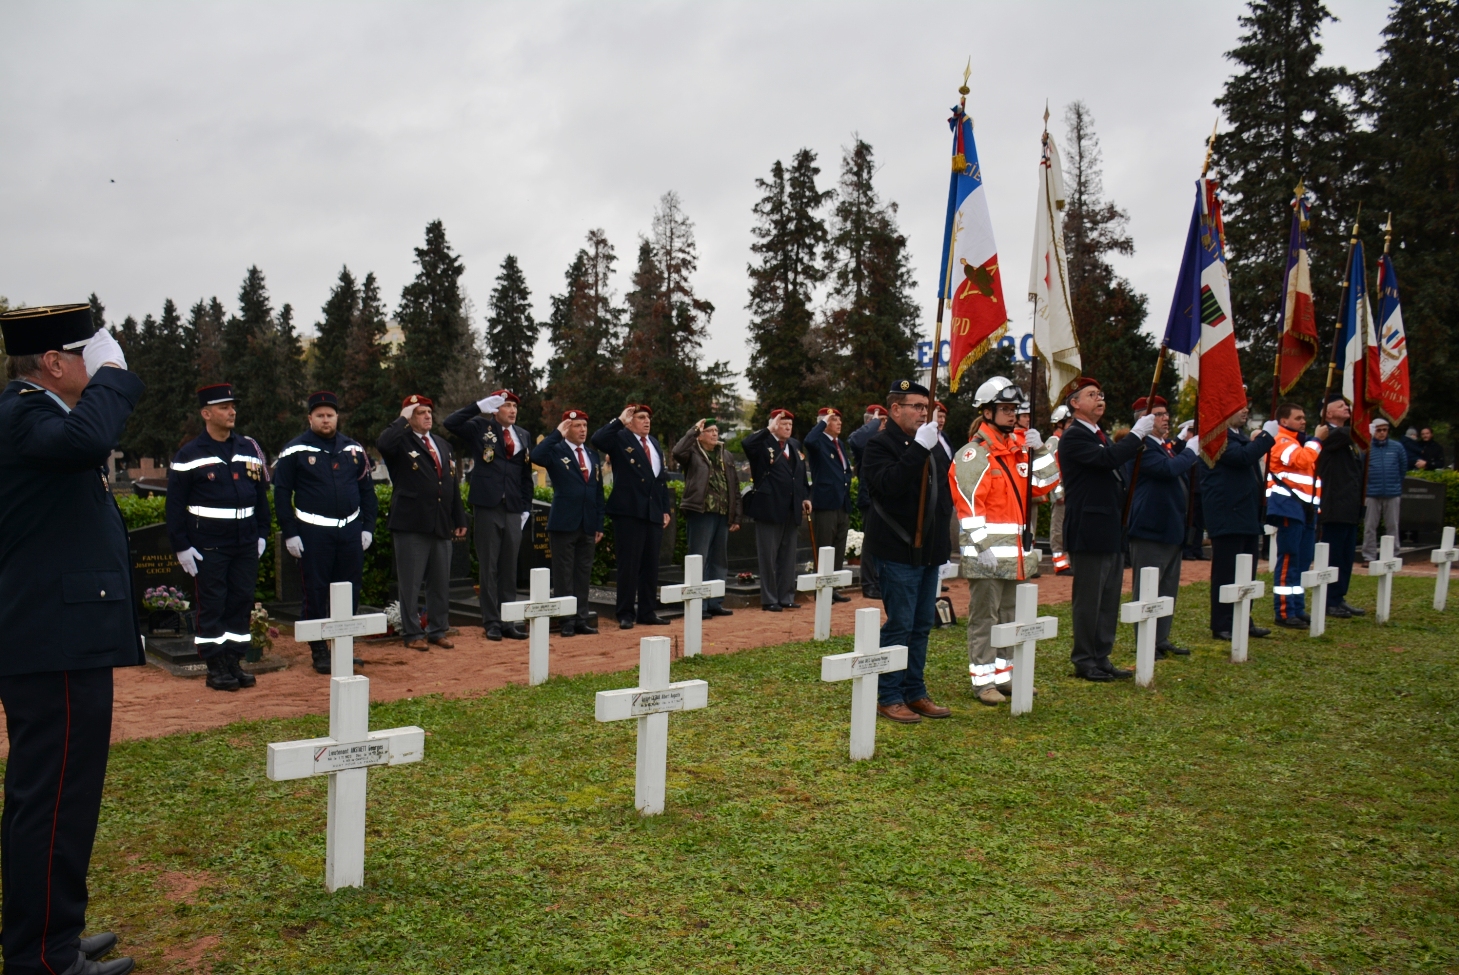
1144 611
824 582
539 607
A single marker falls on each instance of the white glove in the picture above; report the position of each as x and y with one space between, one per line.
987 560
1033 439
1143 426
262 544
102 348
1185 428
409 411
189 560
1373 426
1193 443
491 404
365 539
1270 428
927 435
295 546
525 516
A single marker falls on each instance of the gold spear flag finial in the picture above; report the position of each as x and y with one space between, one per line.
1046 116
1388 232
1210 147
967 73
1355 220
1298 192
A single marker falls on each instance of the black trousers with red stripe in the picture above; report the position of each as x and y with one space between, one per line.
60 732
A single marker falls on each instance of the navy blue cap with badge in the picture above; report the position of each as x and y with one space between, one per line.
907 387
33 331
323 398
215 394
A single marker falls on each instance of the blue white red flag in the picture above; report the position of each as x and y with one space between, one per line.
970 282
1359 343
1388 358
1200 323
1297 346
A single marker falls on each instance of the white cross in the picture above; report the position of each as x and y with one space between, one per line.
1442 557
1383 567
540 609
824 581
1241 592
351 747
1023 635
1320 576
861 666
692 594
650 703
1144 611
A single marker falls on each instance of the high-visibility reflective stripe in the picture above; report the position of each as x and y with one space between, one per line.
1004 528
971 551
1287 454
1043 462
1043 482
976 521
231 514
192 465
982 674
1296 478
1287 590
323 522
356 448
1061 561
1274 488
1005 551
247 459
225 638
298 448
977 535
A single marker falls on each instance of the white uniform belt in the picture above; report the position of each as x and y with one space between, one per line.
231 514
324 522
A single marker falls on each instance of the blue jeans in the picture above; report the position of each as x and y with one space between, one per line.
709 537
1295 539
909 594
1342 543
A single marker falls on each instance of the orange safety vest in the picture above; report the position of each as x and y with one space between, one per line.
990 486
1292 485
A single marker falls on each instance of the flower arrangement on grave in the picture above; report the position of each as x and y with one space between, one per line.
745 577
261 634
165 599
854 539
392 616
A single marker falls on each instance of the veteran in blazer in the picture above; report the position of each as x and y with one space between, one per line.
781 499
639 506
426 513
575 523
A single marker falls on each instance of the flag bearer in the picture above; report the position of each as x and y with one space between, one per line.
1293 495
68 617
1060 419
324 498
991 487
218 521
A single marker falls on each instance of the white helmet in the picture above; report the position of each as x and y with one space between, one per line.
1060 414
997 390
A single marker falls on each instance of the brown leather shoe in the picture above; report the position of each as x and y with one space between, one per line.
899 713
416 644
929 708
443 643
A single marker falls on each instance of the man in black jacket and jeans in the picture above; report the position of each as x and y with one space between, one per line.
1091 465
1340 466
905 476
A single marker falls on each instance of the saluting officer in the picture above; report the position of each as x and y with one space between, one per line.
218 521
68 619
325 501
575 523
500 497
639 505
830 467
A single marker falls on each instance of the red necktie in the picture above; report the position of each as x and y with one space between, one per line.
435 457
511 445
838 452
647 454
1102 438
582 464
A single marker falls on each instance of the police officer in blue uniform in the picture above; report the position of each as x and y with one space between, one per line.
218 520
68 618
575 523
639 505
324 499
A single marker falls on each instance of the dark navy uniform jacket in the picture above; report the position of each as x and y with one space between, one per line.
1157 511
857 443
637 492
217 493
496 479
830 471
577 505
324 483
422 500
65 569
780 480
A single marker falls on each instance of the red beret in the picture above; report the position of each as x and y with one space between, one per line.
416 399
510 396
574 415
1140 403
940 405
777 414
641 408
828 411
876 409
1075 385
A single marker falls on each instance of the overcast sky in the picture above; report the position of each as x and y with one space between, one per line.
155 150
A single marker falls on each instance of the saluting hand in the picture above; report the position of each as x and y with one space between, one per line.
562 427
408 412
626 416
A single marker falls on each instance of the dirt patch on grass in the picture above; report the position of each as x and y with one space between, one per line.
193 956
181 887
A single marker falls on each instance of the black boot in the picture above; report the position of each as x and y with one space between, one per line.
220 678
235 667
319 650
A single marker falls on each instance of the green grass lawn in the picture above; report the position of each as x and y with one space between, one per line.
1294 814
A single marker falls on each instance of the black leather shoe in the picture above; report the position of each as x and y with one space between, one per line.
1174 649
871 593
512 632
790 605
1223 635
243 677
654 620
1339 613
219 677
494 632
1118 673
771 608
1161 653
320 660
1258 631
625 624
1292 623
836 597
720 611
85 966
98 945
568 629
1093 674
1353 609
583 626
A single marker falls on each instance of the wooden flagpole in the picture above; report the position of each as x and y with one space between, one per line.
1342 307
1298 191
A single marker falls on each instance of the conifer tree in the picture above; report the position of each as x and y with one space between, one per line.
1109 315
789 236
206 321
98 313
1287 119
870 332
165 361
327 358
367 395
432 319
511 339
585 330
1413 162
264 362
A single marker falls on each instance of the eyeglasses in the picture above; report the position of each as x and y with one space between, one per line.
914 407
